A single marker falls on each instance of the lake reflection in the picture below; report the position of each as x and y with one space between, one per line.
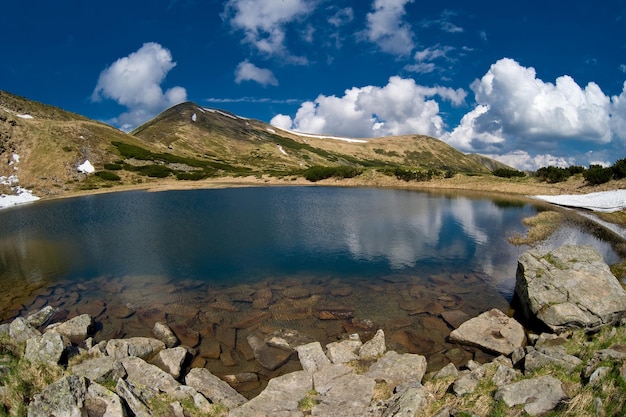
257 259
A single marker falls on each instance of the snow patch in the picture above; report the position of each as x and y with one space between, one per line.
201 109
309 135
193 117
280 148
22 196
24 116
16 158
270 130
603 201
86 168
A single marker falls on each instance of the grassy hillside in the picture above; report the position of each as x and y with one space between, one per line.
188 142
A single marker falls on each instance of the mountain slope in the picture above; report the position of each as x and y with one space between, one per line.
195 131
42 147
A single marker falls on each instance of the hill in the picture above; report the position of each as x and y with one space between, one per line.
43 146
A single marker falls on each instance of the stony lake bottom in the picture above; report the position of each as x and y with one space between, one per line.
218 265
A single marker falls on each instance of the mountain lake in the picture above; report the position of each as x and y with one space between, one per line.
219 264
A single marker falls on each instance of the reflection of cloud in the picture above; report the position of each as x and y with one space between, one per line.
464 212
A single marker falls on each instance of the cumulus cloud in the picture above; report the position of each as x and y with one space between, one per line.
387 29
515 109
135 82
264 22
524 161
247 71
400 107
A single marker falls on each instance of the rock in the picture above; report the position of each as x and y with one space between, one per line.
279 398
467 382
455 317
373 348
344 351
352 394
76 329
492 330
447 371
326 378
252 318
504 375
409 400
397 369
20 331
141 373
269 357
570 287
141 347
100 369
312 357
539 395
187 336
171 360
539 357
99 401
213 388
41 317
134 397
66 397
45 349
287 339
162 332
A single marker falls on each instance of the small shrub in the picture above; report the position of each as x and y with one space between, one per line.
508 173
113 167
192 176
318 173
154 171
596 174
108 176
619 169
553 174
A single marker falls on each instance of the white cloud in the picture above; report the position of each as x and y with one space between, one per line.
247 71
524 161
264 22
618 115
386 28
282 121
400 107
342 17
516 110
135 82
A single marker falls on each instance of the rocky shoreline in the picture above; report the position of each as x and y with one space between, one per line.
569 291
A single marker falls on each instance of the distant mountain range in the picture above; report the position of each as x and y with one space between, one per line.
44 146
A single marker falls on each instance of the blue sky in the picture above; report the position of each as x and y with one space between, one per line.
531 83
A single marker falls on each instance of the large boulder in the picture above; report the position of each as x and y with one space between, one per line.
570 287
492 330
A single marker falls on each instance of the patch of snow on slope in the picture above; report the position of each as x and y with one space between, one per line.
270 130
309 135
19 195
86 168
193 117
280 148
24 116
604 201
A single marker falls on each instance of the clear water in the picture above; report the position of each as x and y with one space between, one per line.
199 259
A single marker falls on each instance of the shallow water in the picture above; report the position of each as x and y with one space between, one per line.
217 265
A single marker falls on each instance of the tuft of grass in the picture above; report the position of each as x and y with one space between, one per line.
542 226
309 401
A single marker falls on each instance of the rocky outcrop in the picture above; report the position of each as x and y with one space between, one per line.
570 287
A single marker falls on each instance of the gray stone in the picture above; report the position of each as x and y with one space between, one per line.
280 397
100 369
351 394
171 360
141 373
570 287
396 369
373 348
134 397
539 395
492 330
39 318
408 401
327 377
447 371
99 401
466 383
76 329
66 397
312 357
287 339
162 332
213 388
141 347
185 392
343 351
268 356
541 356
20 331
598 375
45 349
504 375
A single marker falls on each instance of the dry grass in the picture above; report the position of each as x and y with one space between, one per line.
541 227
